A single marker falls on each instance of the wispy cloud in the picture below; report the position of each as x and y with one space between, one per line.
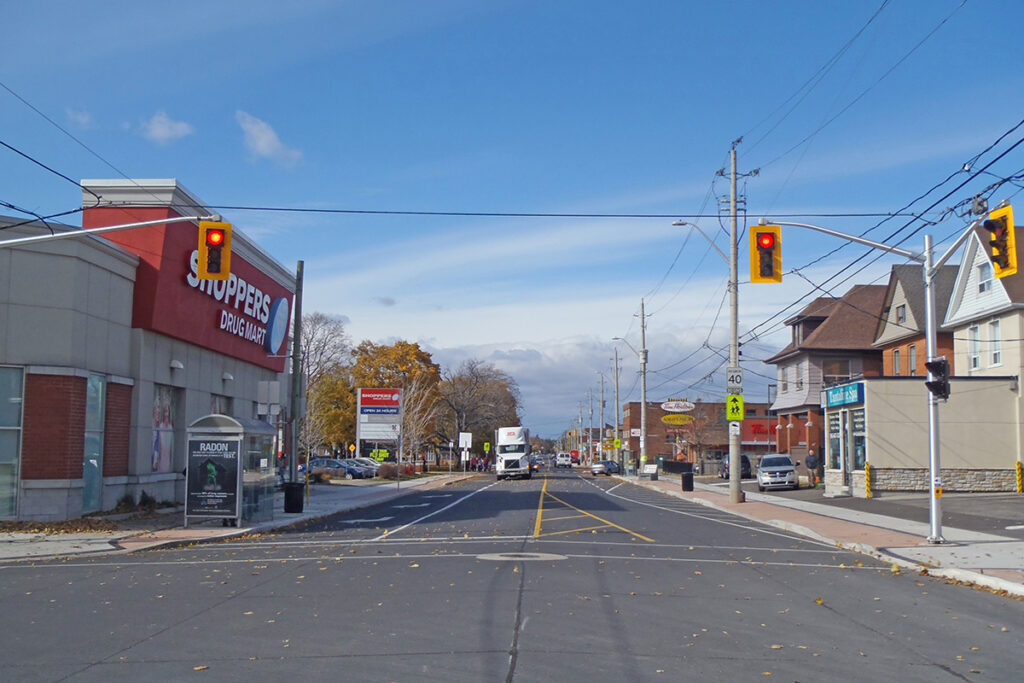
79 117
263 143
162 129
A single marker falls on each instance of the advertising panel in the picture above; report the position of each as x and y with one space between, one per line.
213 478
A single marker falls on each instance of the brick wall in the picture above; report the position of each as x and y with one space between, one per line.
116 430
53 437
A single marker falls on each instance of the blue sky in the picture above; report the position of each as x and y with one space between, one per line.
550 107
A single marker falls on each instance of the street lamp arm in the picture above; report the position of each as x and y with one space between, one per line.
702 234
637 353
912 255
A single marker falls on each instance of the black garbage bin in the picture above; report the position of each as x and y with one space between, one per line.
686 475
293 491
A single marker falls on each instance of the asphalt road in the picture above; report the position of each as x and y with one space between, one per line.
563 577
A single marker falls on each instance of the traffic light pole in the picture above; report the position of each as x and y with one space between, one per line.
107 228
929 269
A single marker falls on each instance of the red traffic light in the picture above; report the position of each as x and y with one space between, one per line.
765 240
214 238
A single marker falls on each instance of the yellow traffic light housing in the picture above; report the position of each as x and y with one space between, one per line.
766 253
1003 242
214 250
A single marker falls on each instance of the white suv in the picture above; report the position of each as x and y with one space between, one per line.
777 471
563 460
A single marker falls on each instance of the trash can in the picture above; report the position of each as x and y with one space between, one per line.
686 475
293 491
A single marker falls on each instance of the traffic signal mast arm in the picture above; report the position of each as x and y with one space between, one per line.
106 228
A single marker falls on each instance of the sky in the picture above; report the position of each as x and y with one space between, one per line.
499 180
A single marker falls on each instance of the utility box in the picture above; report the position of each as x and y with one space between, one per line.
230 470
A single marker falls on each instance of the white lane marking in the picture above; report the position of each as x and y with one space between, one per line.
404 507
440 495
1015 527
364 521
391 532
745 527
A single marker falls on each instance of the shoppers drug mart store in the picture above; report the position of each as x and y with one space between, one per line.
110 346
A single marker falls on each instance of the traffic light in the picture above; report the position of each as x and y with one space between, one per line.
214 250
1003 242
766 253
938 371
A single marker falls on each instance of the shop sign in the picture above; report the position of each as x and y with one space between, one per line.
677 406
677 420
844 395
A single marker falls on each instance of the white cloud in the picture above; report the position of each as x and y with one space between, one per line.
79 117
262 141
162 129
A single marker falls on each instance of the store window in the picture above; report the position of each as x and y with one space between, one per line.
834 440
220 405
164 418
858 440
11 394
92 459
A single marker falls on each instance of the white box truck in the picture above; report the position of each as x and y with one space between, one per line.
512 452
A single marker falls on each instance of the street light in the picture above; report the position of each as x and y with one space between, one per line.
642 355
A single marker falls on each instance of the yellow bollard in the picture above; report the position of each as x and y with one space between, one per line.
1020 477
867 480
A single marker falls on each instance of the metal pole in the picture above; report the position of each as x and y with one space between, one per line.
601 435
618 451
590 433
935 508
296 376
735 492
643 386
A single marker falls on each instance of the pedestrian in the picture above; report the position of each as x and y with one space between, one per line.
812 468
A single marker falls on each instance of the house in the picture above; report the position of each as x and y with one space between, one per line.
832 342
901 327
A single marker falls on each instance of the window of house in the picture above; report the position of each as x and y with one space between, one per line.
985 276
995 343
799 376
783 380
973 347
901 314
912 360
896 362
835 370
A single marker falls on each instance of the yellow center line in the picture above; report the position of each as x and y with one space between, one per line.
540 513
540 507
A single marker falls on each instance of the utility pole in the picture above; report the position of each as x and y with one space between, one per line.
643 386
601 435
735 492
590 433
293 468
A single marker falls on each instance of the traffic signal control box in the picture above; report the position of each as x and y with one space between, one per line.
214 250
766 253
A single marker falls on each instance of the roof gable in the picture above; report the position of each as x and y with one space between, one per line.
969 302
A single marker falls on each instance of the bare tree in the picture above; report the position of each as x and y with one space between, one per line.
325 349
478 398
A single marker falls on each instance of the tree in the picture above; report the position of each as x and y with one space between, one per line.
406 366
479 398
325 351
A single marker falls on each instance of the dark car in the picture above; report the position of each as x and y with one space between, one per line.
336 469
745 471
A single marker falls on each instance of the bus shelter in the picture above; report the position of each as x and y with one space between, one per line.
230 470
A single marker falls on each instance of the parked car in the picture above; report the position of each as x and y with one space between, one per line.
369 462
777 471
338 469
364 471
606 467
745 472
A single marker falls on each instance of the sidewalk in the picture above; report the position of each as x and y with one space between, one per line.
168 528
991 560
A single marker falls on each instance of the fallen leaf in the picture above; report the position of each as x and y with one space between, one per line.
201 667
